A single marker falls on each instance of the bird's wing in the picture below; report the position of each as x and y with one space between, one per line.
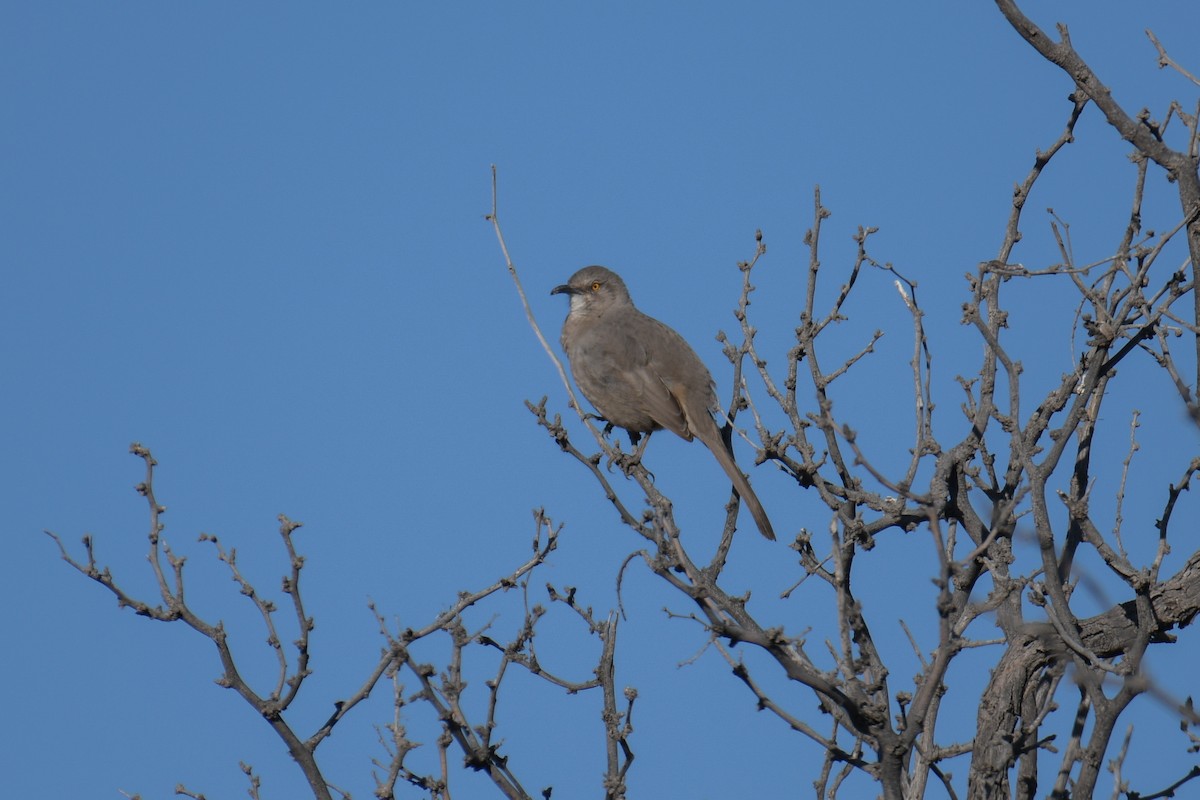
657 398
685 379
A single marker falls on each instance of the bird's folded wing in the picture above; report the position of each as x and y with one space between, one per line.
661 401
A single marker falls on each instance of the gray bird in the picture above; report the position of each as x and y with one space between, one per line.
641 375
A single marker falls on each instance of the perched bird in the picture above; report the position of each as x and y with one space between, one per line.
641 375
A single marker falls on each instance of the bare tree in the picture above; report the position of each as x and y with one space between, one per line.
441 689
1013 463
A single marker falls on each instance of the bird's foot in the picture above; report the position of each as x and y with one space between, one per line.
608 426
627 463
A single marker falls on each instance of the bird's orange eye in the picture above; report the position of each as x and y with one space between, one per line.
595 286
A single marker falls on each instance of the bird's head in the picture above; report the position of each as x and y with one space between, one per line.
593 290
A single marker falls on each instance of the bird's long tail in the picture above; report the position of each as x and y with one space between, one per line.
719 442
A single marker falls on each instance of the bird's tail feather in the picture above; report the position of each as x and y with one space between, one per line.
720 442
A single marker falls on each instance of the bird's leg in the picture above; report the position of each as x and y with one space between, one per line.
608 426
608 429
620 458
627 461
640 446
639 442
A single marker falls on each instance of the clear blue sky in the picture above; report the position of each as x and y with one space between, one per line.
252 238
